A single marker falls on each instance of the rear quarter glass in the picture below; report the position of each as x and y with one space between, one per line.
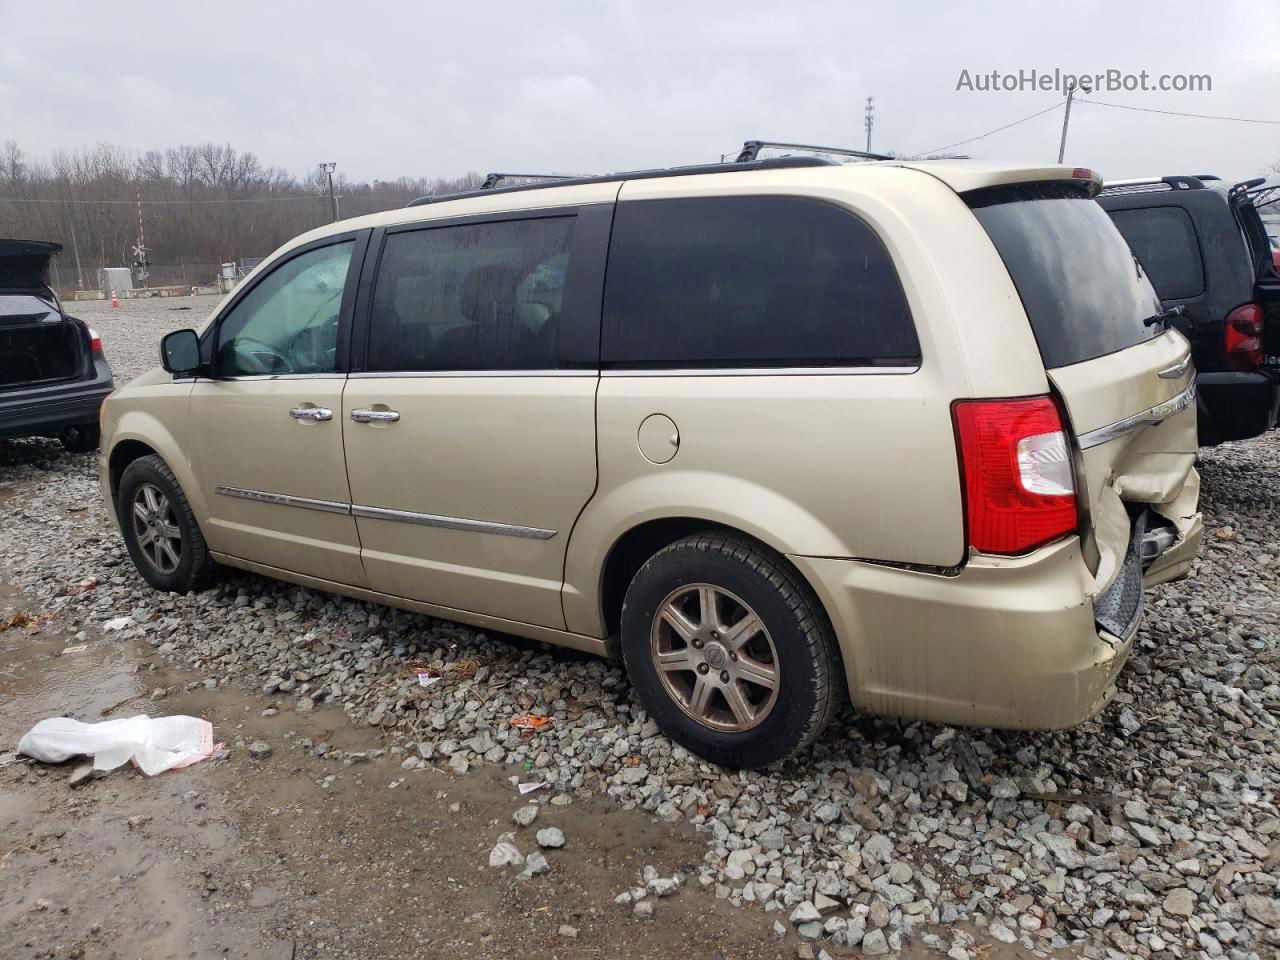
751 281
1085 293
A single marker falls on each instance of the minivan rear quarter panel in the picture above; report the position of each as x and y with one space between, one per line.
849 464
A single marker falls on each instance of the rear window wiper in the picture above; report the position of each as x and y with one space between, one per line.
1164 317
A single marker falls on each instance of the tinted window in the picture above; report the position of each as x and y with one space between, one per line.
288 322
1165 241
750 281
1084 292
484 296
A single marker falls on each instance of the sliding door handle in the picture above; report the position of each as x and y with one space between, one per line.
365 415
314 414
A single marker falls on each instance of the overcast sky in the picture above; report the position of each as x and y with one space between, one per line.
428 89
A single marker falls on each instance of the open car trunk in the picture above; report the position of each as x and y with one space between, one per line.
1126 382
38 345
39 352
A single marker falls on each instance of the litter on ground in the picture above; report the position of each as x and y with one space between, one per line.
532 721
154 744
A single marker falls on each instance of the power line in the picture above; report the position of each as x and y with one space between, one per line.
958 143
1177 113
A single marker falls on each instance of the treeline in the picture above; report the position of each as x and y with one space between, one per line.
201 205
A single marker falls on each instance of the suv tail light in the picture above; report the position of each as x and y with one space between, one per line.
1016 465
1242 337
95 341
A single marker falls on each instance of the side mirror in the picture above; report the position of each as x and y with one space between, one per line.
180 352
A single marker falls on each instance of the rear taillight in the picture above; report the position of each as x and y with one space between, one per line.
95 341
1019 483
1242 337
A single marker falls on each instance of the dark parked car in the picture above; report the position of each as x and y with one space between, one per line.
53 375
1206 251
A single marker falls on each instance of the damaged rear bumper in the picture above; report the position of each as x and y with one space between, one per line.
1011 642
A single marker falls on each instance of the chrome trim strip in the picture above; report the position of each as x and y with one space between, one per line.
453 523
765 372
383 513
261 496
1157 414
424 374
1175 371
283 376
681 372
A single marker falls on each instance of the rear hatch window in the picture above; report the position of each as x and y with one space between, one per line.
1084 292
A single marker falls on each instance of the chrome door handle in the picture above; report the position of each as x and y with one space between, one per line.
311 413
365 415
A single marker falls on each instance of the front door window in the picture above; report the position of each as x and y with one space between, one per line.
288 323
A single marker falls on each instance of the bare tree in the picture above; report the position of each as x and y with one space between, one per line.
202 204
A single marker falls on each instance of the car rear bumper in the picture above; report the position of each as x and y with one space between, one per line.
1004 642
1236 405
41 412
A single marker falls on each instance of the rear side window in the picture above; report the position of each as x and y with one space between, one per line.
1085 293
1164 239
481 296
751 281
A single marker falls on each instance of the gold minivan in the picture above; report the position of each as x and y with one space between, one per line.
771 430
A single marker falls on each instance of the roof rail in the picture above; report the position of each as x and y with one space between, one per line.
493 179
770 163
751 150
1175 182
1260 193
1245 187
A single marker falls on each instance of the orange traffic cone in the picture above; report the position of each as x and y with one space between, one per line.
115 301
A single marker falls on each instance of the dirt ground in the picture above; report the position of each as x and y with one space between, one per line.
297 856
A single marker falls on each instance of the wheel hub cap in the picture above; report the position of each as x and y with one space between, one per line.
715 658
156 528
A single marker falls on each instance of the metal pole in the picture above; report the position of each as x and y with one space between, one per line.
1066 118
869 121
75 245
328 170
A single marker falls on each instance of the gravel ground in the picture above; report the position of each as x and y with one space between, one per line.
1152 831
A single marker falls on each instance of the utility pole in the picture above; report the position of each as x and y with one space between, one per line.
870 120
140 251
1066 117
328 169
75 245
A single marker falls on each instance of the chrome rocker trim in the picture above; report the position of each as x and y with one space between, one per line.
383 513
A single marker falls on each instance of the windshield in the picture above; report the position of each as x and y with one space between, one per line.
1084 291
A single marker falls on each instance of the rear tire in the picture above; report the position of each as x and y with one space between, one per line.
160 531
82 438
738 691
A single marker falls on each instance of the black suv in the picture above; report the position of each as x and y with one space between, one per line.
1206 251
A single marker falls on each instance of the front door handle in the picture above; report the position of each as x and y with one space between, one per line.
311 413
365 415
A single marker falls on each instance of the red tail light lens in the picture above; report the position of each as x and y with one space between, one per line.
95 341
1019 484
1242 337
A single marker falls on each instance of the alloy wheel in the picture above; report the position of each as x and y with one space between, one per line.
715 658
156 528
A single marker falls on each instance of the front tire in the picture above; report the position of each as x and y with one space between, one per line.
160 530
729 650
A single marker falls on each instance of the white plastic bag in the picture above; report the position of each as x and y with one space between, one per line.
154 744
